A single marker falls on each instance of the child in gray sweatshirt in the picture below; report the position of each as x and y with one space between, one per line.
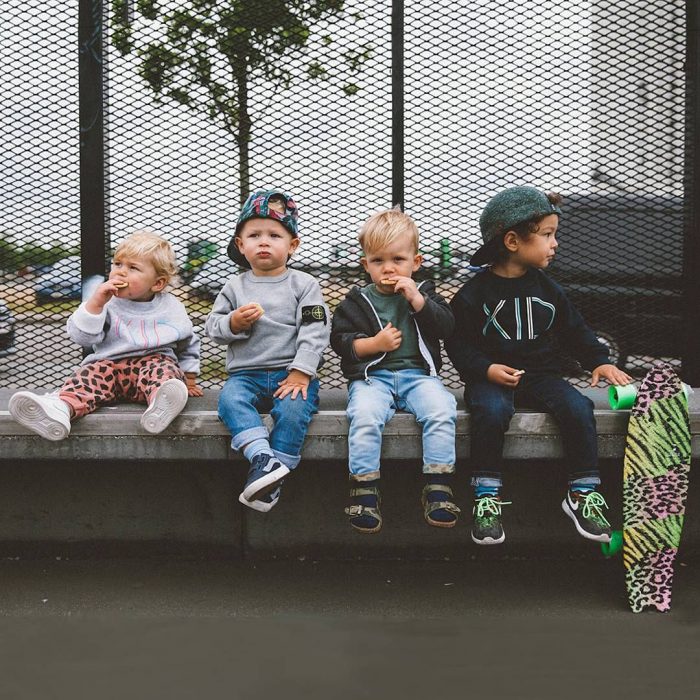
275 325
142 346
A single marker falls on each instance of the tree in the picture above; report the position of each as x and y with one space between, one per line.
211 50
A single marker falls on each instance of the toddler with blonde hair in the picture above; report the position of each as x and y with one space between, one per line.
140 344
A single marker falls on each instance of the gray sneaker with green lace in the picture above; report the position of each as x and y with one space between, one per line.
585 509
487 527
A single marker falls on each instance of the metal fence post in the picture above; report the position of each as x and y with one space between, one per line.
691 250
397 102
93 234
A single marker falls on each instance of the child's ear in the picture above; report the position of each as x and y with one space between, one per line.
417 261
293 245
159 286
238 241
363 261
511 240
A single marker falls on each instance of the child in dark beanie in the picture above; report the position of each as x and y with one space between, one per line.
503 347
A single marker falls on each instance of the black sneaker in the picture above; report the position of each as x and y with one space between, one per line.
487 527
584 508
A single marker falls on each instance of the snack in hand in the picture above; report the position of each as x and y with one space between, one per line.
518 372
255 303
121 285
388 281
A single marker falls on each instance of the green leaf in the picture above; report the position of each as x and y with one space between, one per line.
316 71
181 96
148 8
121 38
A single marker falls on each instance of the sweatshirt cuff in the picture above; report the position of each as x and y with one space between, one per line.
87 322
353 354
481 368
189 366
597 362
230 336
306 362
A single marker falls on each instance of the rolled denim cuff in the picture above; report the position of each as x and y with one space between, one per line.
365 476
246 436
438 469
492 481
291 461
587 481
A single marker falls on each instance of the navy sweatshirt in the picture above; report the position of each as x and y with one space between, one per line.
514 322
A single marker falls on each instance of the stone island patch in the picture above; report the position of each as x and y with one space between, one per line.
312 314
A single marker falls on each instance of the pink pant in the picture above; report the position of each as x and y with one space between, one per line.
104 381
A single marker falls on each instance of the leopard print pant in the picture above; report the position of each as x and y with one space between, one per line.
105 381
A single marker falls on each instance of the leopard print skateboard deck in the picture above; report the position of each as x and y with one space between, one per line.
655 486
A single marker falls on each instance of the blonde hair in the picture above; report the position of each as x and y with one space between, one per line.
145 245
384 227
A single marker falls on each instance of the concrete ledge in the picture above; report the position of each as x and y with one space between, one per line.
197 434
113 490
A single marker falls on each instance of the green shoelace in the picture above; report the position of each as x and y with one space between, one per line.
492 506
592 508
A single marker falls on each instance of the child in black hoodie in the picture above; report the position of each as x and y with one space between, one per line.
388 338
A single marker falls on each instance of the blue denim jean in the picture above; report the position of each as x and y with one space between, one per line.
371 404
246 393
491 407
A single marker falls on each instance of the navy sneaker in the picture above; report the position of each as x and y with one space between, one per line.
584 508
265 472
266 503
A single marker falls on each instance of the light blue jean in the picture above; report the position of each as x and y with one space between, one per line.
371 404
247 392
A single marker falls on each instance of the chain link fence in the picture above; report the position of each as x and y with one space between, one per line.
434 106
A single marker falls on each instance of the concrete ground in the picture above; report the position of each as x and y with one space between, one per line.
520 628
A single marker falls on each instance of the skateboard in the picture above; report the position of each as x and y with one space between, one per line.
655 487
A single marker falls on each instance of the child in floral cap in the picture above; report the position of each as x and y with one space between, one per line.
275 325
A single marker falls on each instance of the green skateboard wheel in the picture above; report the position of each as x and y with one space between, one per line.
610 549
621 398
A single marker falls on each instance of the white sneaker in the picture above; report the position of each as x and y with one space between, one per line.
167 402
46 414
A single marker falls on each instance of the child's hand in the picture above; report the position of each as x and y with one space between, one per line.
408 287
504 375
612 374
294 383
192 388
388 339
245 316
102 295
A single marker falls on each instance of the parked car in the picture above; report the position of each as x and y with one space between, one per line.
7 331
61 282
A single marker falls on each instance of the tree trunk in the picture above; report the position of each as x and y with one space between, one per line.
243 137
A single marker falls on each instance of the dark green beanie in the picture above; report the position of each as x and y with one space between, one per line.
506 210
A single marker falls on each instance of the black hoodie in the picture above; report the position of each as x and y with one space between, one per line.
355 317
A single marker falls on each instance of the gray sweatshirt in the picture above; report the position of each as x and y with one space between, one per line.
292 333
136 328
